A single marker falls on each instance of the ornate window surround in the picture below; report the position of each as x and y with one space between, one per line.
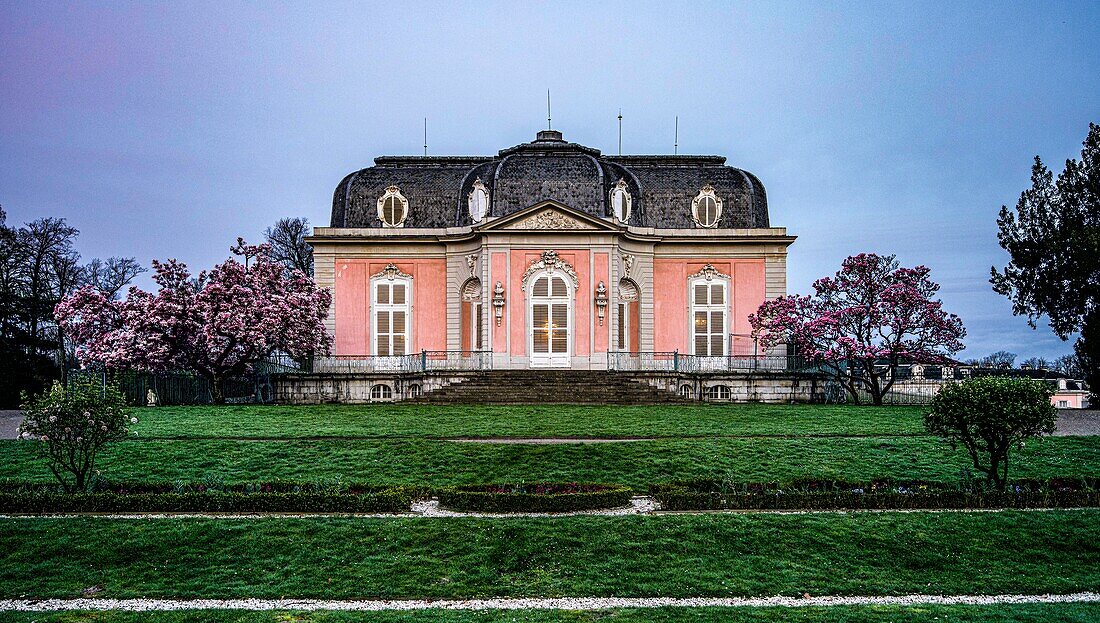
395 193
620 189
707 192
478 189
547 263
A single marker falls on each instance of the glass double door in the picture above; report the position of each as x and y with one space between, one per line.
550 322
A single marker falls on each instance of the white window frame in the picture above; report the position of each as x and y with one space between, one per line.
694 306
478 189
376 307
707 192
627 295
620 189
395 192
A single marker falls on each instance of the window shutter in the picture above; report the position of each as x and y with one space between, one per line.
479 322
557 286
560 317
398 294
701 294
383 294
542 287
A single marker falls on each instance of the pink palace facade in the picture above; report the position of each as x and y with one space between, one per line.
548 254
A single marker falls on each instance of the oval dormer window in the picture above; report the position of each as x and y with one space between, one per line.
706 208
393 208
479 201
620 202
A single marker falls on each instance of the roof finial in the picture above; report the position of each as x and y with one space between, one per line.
425 136
548 126
620 131
676 140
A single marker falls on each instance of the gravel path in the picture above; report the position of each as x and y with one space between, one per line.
534 603
9 423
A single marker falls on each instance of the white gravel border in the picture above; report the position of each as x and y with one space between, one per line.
533 603
639 505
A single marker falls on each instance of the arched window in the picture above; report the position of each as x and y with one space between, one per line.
685 391
381 392
719 392
706 208
478 201
620 202
391 312
625 321
473 315
414 391
393 208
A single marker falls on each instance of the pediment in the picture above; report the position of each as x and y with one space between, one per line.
549 215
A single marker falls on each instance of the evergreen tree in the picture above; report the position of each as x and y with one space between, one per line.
1053 239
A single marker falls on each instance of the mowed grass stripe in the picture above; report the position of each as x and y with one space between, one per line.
1056 613
636 464
670 556
436 421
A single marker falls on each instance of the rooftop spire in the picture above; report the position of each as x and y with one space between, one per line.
548 126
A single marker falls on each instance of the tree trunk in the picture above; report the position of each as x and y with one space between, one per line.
217 392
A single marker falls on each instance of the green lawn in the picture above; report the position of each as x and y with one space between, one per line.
676 556
430 421
637 464
1058 613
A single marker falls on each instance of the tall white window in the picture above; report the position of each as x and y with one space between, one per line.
708 317
706 208
391 314
393 208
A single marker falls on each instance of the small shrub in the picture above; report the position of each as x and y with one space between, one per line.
534 497
72 423
990 416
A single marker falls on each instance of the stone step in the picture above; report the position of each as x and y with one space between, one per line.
549 386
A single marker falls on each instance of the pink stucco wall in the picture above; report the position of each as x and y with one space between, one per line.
671 306
352 303
601 272
498 269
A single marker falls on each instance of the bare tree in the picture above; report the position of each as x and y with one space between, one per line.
110 276
1070 366
49 268
1037 363
1000 359
288 245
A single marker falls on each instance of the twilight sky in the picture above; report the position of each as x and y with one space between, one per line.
167 129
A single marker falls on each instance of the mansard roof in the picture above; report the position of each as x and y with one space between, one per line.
550 169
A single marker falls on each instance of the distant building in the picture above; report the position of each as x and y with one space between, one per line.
1068 393
549 254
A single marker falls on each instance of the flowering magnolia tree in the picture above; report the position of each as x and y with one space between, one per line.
216 326
862 323
72 424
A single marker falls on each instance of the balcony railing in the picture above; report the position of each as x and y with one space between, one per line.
424 361
675 361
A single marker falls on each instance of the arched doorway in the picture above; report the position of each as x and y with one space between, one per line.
549 320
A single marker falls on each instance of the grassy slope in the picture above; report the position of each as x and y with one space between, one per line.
633 463
1061 613
523 421
865 554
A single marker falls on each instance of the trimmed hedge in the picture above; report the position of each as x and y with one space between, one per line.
534 498
878 495
45 500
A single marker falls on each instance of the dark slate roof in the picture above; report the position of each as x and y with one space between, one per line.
549 168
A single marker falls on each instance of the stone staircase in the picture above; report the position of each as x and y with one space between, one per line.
550 386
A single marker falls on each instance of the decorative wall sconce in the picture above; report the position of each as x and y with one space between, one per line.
601 301
498 302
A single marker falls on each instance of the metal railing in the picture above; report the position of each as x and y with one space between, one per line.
675 361
424 361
